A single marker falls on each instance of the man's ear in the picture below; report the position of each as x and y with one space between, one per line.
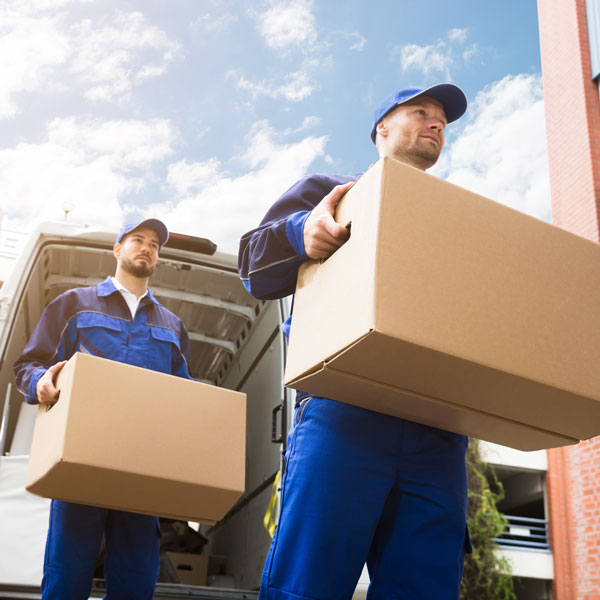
117 251
381 128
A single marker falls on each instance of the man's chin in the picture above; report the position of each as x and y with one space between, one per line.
429 156
141 270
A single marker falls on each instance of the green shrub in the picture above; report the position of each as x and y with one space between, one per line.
487 576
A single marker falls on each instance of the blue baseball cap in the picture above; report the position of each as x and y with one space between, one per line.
450 96
158 226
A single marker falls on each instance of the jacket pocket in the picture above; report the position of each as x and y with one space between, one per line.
93 319
164 335
99 335
163 347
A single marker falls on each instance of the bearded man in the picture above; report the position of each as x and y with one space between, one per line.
120 320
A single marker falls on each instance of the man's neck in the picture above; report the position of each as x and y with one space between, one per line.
136 285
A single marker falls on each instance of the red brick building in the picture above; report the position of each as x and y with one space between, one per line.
569 40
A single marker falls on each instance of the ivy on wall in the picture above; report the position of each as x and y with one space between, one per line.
487 576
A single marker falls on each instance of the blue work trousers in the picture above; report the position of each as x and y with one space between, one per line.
131 562
359 486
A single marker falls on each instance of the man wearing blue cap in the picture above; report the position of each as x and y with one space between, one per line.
358 486
118 319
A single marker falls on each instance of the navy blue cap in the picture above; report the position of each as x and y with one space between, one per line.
450 96
158 226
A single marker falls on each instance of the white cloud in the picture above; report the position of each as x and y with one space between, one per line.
307 123
310 121
296 86
211 24
37 6
112 57
470 52
501 152
90 163
229 205
359 41
130 144
287 24
29 49
458 35
426 58
183 176
446 53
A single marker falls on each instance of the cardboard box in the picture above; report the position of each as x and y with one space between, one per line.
452 310
133 439
191 569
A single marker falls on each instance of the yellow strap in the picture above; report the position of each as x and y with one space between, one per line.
272 514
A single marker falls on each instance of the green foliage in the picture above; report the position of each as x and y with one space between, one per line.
486 576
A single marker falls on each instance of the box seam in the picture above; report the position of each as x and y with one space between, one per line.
441 401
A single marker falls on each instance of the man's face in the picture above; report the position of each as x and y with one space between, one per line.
413 132
137 253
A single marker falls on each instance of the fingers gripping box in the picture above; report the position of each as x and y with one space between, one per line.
452 310
137 440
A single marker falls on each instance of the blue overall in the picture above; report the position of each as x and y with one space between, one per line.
96 320
358 486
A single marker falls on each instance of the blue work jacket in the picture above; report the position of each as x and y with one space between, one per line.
96 320
270 255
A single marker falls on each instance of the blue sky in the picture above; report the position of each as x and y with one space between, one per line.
202 112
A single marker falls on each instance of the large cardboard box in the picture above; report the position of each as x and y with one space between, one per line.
137 440
452 310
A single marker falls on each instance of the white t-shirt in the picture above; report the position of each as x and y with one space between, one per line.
131 299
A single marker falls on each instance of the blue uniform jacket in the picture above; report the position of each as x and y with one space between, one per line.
96 320
271 254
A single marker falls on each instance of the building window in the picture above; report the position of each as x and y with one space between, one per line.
593 19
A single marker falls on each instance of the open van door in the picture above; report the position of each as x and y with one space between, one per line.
236 342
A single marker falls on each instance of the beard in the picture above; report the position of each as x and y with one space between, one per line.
142 270
426 152
417 152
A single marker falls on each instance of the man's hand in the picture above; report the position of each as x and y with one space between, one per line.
322 235
45 390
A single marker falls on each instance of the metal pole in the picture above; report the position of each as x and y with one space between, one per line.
4 423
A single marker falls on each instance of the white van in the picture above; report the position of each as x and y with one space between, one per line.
236 342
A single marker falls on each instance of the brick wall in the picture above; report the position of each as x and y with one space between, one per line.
573 134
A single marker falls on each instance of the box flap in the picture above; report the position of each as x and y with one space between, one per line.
388 361
434 412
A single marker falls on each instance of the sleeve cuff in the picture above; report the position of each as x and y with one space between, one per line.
32 395
294 229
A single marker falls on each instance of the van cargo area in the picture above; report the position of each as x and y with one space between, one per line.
236 343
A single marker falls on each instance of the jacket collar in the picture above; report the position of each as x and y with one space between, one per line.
107 287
